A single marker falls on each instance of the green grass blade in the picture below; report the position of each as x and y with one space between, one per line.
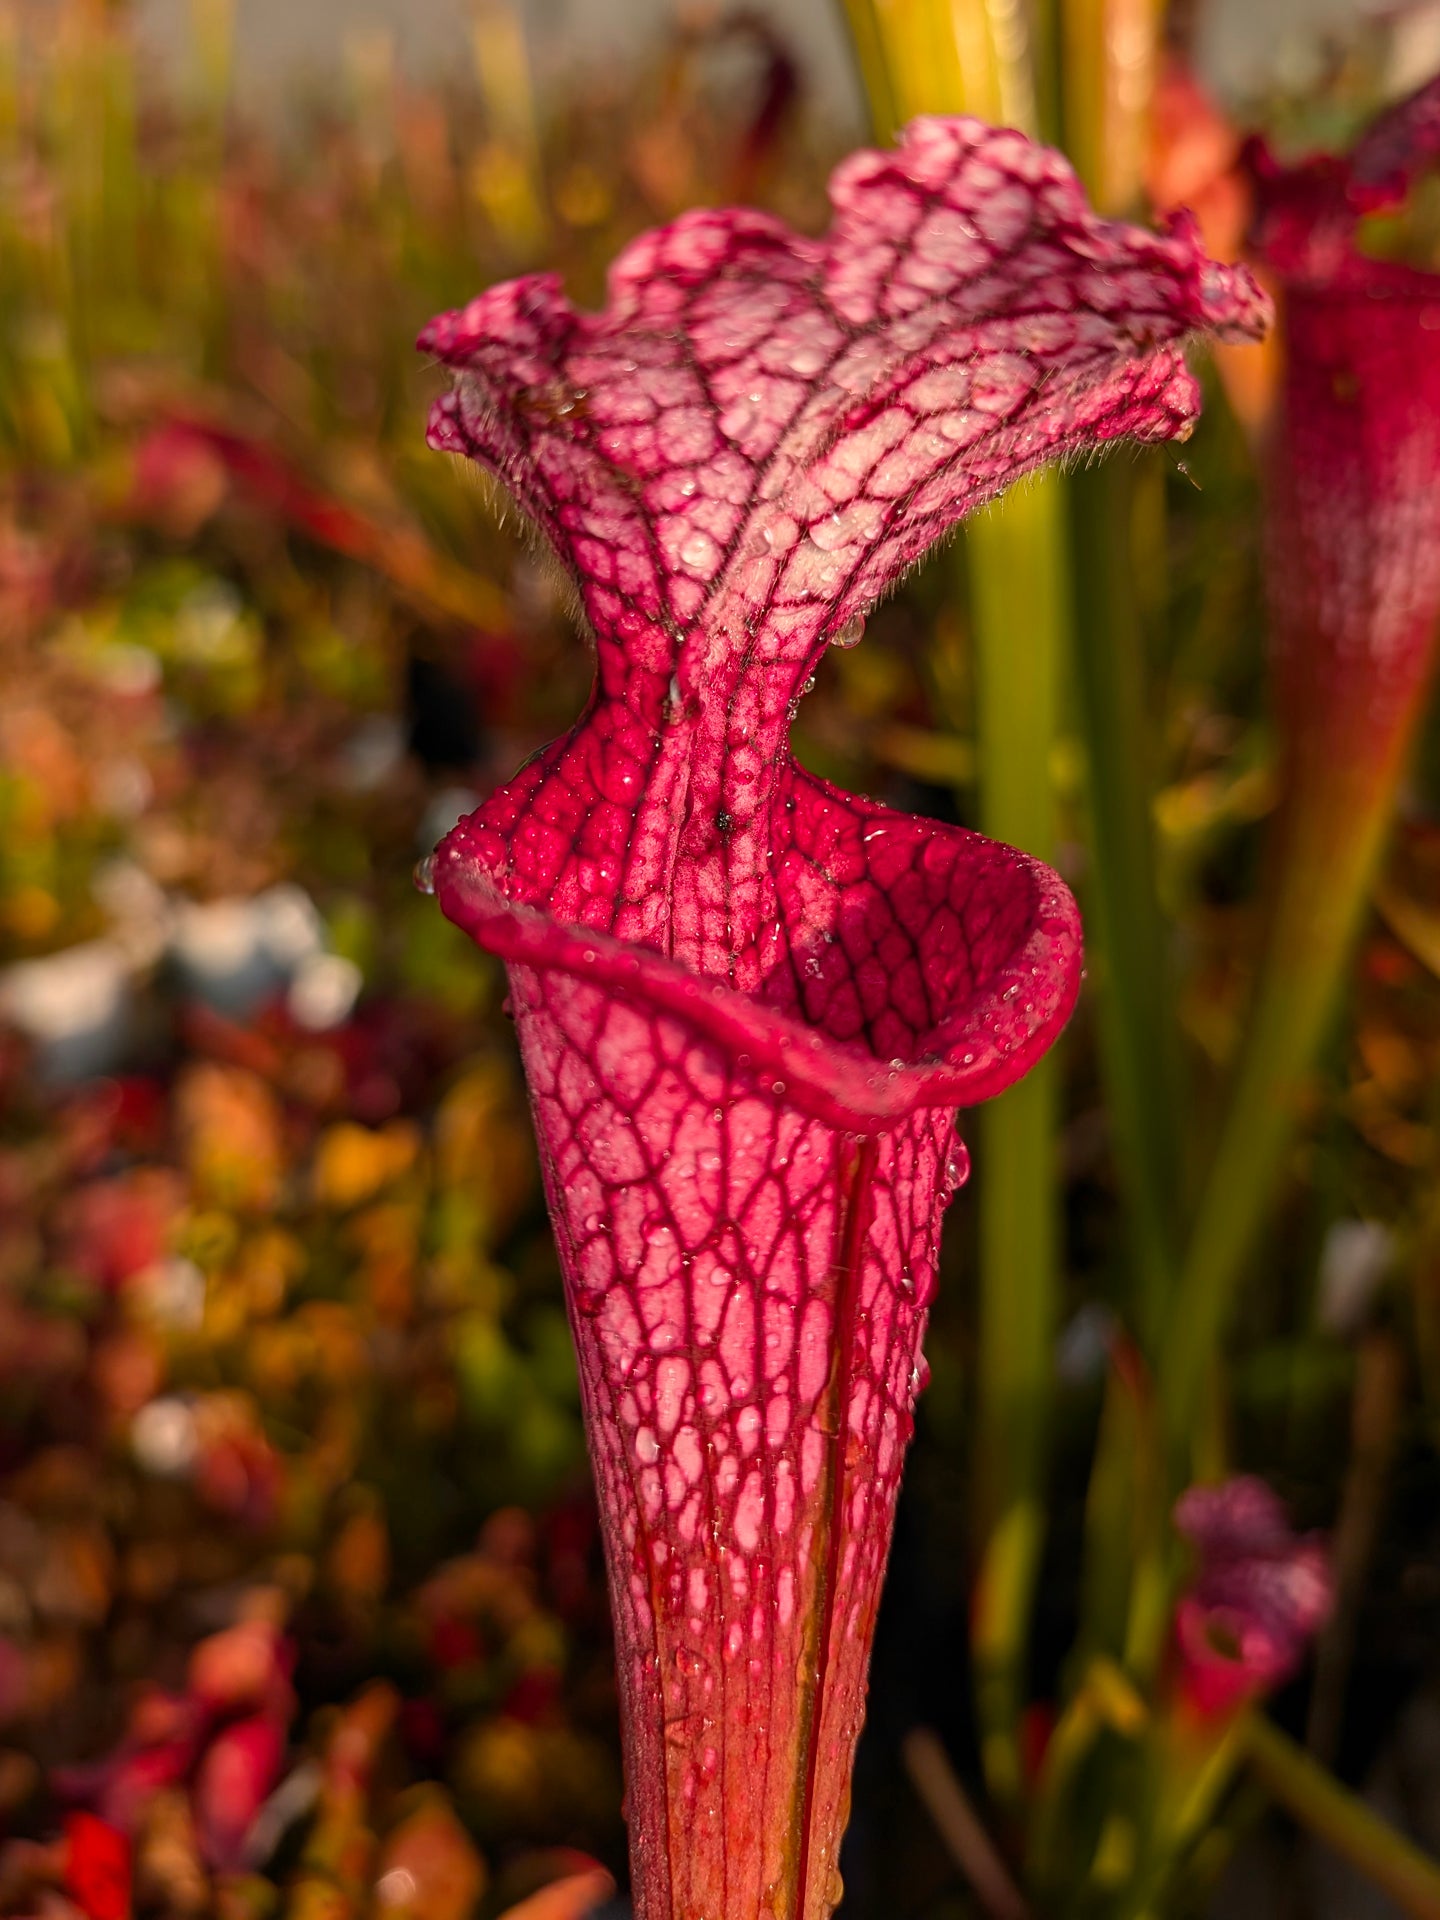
1125 932
1019 597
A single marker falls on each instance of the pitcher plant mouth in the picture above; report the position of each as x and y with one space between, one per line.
984 1040
748 1003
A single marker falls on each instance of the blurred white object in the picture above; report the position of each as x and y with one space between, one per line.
233 954
448 806
372 753
174 1292
139 908
324 991
276 40
163 1437
1355 1258
74 1007
1244 51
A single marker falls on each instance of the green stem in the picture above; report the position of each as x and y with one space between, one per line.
1344 1824
992 59
1325 877
871 59
1019 598
1125 933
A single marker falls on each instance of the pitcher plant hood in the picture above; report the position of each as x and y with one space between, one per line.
749 1004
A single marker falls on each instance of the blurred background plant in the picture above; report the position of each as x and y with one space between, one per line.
300 1599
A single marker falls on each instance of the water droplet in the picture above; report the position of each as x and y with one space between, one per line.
850 634
806 362
647 1447
687 487
698 550
594 1222
425 874
957 1167
830 533
720 1276
688 1660
708 1162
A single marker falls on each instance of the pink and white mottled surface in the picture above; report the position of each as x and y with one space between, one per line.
750 1004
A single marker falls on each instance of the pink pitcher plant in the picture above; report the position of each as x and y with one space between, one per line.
1355 487
1352 474
750 1004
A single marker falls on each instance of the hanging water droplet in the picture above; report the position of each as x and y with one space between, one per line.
957 1167
850 634
425 874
